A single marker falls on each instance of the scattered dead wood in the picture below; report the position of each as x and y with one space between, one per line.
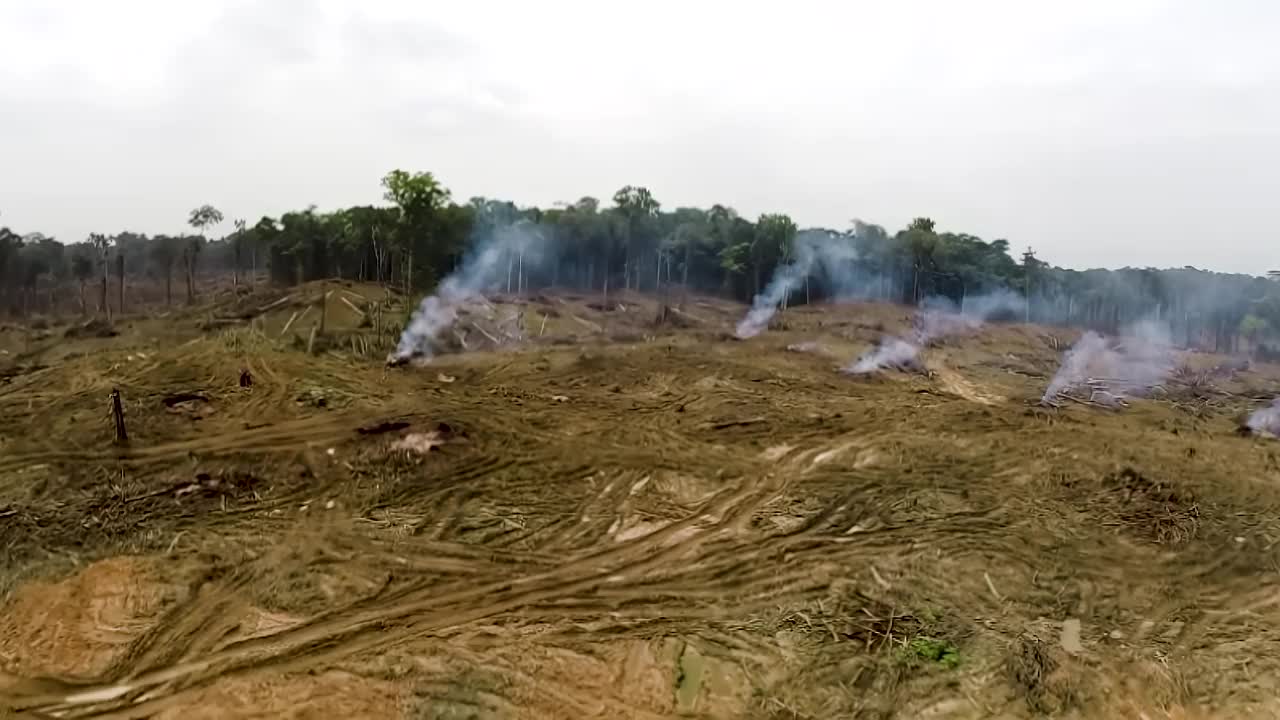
385 426
97 327
736 423
273 305
480 330
586 323
351 305
1151 509
296 317
183 397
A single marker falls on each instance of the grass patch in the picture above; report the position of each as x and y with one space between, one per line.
923 650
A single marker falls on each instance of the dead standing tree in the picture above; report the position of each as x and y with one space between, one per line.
120 280
102 244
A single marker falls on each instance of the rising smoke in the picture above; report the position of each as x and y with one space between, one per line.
483 269
938 318
815 251
1140 359
1266 421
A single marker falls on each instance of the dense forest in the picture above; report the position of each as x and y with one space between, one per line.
422 234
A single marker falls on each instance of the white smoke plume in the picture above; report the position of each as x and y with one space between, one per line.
1090 350
1266 421
893 352
814 251
938 318
481 270
1139 360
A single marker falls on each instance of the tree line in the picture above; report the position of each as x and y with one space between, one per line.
422 234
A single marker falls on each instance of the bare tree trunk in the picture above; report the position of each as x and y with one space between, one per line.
324 306
105 303
120 279
191 282
168 285
684 281
83 310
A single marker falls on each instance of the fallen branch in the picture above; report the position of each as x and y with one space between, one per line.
480 330
276 304
353 307
289 324
586 323
736 423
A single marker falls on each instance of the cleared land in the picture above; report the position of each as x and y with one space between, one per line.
613 517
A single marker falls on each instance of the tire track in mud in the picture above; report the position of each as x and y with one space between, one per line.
861 490
424 612
433 612
693 564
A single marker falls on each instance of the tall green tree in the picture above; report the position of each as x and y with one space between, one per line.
636 207
201 218
771 246
419 197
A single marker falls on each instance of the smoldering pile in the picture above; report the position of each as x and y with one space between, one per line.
890 353
476 324
1264 422
1107 372
939 318
461 296
815 251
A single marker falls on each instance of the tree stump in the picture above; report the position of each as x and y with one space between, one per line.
117 417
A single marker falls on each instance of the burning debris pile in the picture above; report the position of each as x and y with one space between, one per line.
938 319
1109 372
815 250
809 346
462 291
890 353
1265 422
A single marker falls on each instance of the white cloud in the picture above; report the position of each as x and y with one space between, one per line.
1101 133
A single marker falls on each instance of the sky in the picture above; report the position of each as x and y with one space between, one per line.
1100 133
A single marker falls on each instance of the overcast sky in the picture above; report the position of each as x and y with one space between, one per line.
1099 132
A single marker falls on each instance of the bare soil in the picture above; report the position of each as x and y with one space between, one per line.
598 511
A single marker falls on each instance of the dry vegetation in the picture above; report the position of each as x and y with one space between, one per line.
594 514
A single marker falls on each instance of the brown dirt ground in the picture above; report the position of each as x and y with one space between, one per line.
620 519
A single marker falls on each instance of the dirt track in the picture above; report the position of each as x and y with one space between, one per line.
677 524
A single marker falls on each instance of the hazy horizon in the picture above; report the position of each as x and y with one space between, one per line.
1100 134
